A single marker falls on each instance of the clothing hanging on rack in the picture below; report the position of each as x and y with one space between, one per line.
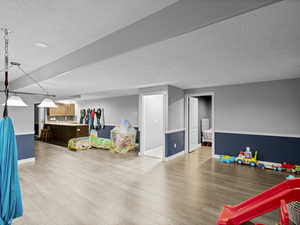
98 117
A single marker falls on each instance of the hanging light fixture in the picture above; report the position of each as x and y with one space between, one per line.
47 103
16 101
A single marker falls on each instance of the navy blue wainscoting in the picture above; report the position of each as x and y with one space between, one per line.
174 142
25 146
105 132
270 148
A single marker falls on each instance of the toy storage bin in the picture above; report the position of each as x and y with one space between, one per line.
294 212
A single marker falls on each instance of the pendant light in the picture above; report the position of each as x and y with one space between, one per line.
47 103
15 101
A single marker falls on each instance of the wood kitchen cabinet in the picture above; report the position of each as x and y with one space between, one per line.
62 110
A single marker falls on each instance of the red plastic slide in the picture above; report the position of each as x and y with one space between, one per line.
276 197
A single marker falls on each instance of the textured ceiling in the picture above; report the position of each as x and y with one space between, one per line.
258 46
65 25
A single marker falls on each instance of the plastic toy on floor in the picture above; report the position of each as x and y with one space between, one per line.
77 144
247 157
227 159
276 197
123 137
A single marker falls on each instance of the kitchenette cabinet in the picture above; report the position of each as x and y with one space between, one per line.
62 132
62 110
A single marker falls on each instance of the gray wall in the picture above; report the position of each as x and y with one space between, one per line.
23 117
265 107
175 108
115 109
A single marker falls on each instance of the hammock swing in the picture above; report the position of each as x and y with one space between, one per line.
10 192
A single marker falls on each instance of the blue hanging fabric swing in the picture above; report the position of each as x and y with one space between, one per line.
10 192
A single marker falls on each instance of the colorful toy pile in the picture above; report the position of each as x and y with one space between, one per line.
248 158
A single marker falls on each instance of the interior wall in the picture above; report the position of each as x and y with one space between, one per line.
23 117
265 107
154 121
115 109
176 108
263 116
23 120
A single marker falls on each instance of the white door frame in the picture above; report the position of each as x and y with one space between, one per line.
142 120
187 96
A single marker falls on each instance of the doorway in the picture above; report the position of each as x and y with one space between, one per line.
153 126
200 123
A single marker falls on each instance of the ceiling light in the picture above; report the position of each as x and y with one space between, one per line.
41 45
47 103
15 101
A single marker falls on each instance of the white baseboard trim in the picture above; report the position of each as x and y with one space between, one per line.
175 155
22 161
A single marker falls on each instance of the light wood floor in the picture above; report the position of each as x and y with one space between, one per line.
98 187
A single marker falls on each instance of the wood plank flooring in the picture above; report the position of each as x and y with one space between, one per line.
97 187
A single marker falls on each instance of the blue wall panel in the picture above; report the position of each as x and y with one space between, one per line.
25 146
270 148
172 139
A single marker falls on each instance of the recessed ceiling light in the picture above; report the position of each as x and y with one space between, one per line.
41 45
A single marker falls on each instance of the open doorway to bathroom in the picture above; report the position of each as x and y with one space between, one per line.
200 121
153 126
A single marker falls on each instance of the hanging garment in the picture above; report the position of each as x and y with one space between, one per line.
10 193
87 117
92 118
102 122
82 116
95 121
98 117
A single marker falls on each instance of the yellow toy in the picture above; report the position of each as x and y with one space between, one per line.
243 158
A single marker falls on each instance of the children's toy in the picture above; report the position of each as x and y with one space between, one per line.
276 197
267 165
247 158
288 167
289 177
297 169
123 137
76 144
98 142
285 167
227 159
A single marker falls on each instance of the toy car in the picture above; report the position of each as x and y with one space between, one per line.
242 159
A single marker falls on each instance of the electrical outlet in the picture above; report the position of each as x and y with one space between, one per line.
175 146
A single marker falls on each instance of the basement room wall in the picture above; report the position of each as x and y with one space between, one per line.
23 120
263 116
115 110
176 133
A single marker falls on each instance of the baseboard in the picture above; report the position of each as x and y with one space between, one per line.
175 155
22 161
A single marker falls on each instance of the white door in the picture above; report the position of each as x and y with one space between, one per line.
193 123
